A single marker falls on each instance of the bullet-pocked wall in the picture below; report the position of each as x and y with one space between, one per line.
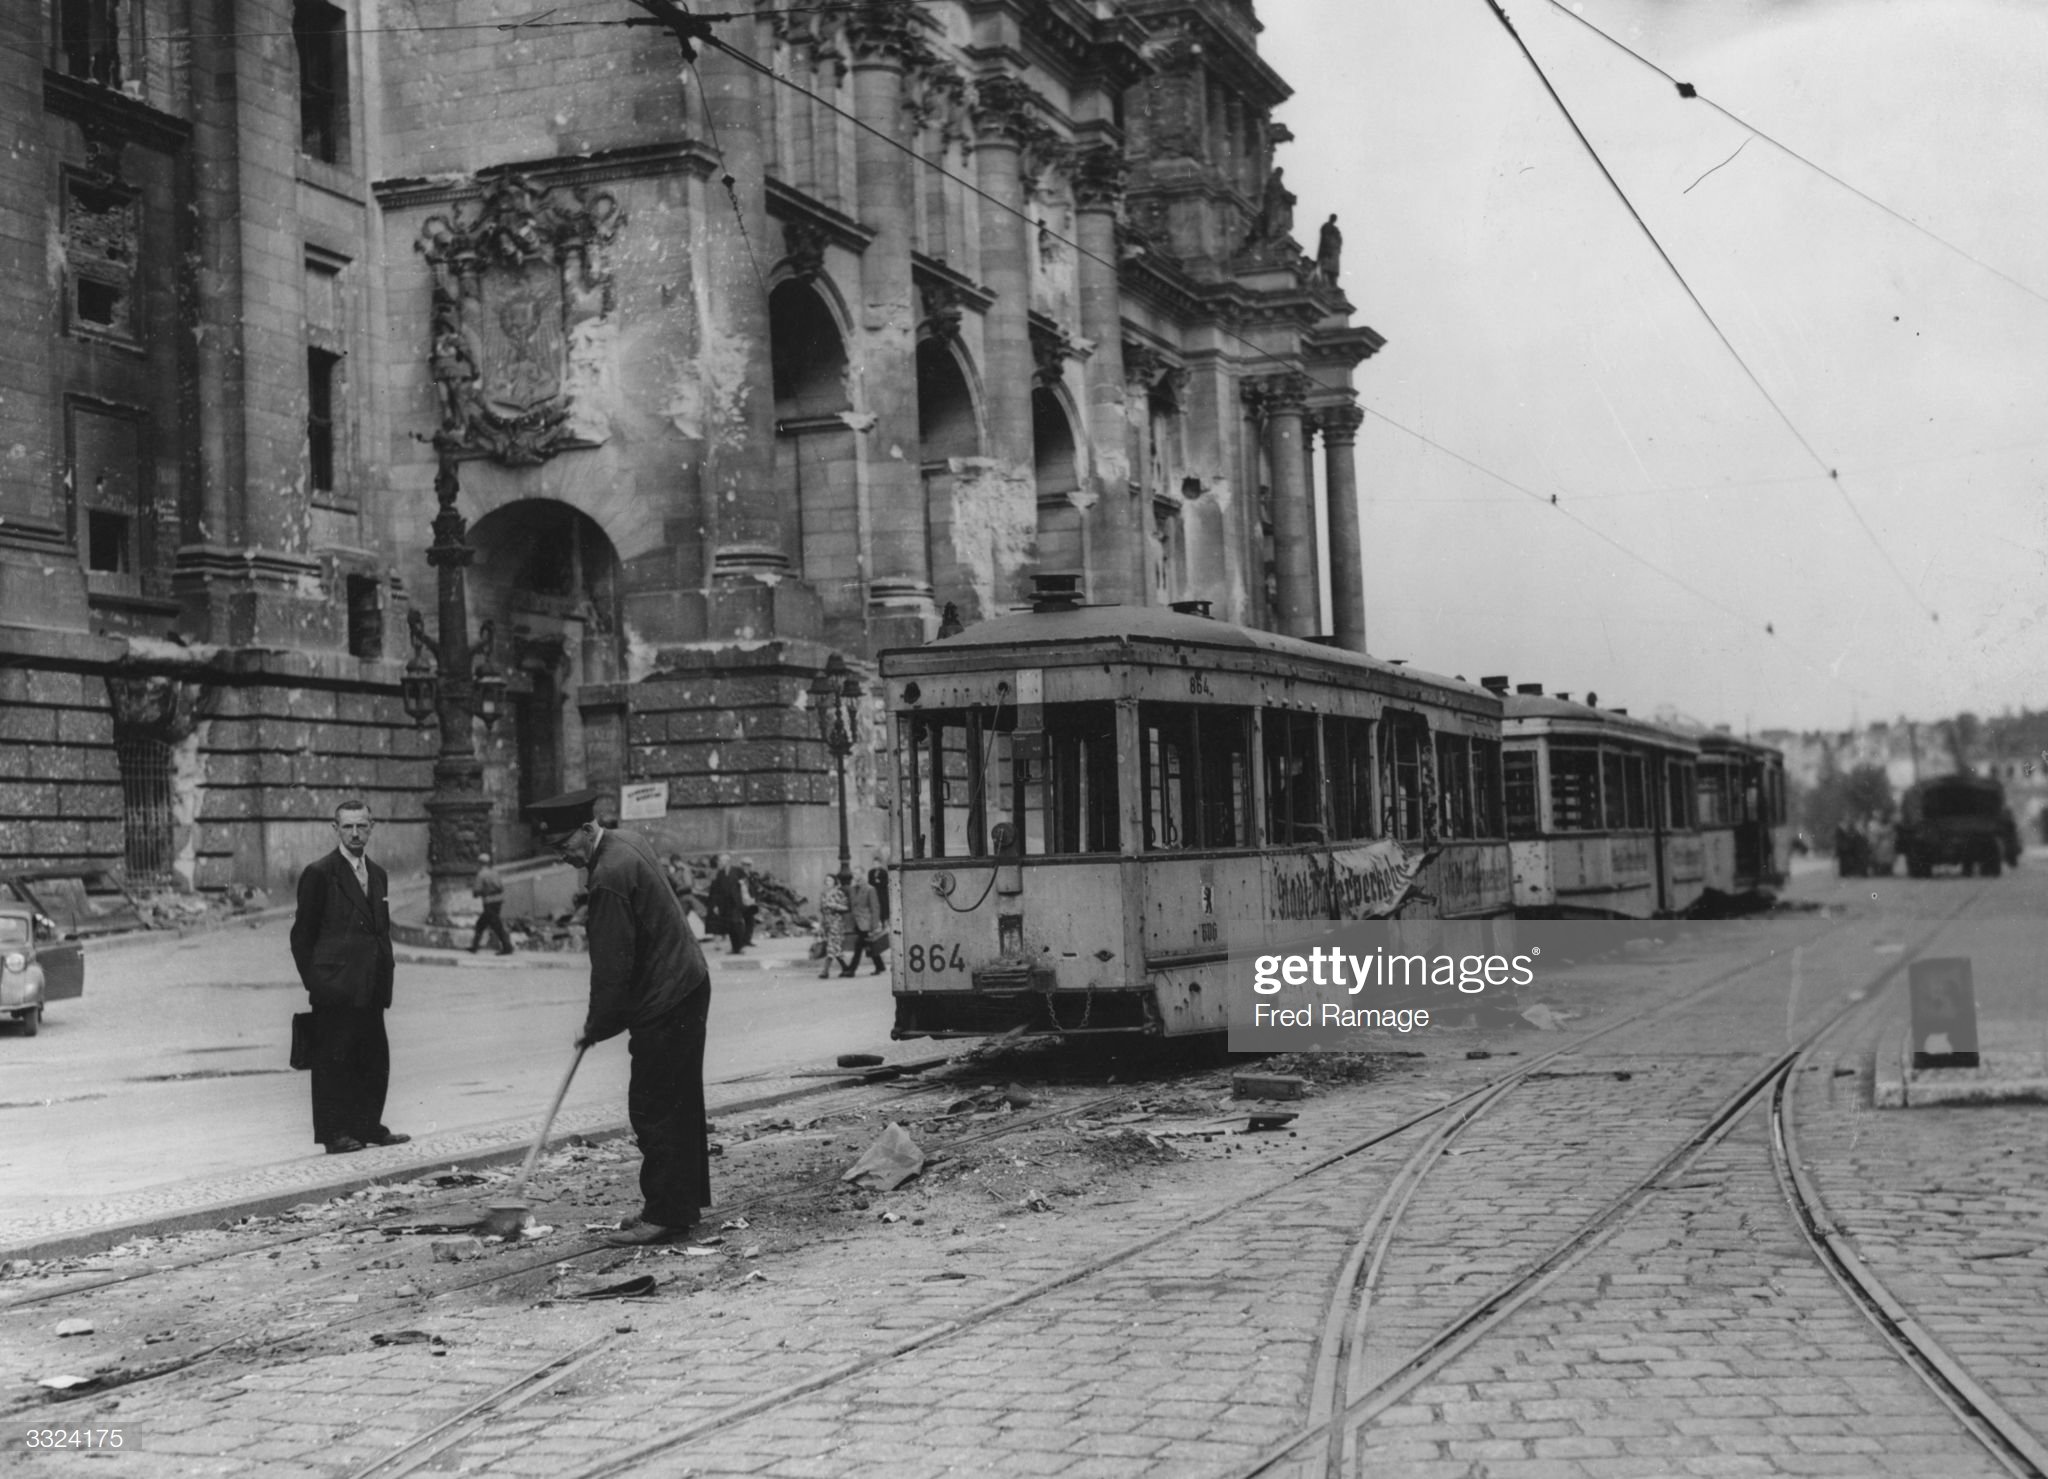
730 383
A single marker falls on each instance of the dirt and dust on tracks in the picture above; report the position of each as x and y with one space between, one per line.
1006 1141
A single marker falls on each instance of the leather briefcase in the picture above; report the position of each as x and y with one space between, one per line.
302 1039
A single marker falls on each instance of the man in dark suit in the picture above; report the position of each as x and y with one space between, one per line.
341 943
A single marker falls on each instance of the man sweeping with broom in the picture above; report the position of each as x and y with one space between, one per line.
647 979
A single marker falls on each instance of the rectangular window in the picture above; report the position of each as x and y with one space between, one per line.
321 32
102 230
1519 769
1294 778
365 617
106 470
1197 776
1404 752
978 786
1614 791
322 370
1486 782
1574 788
1680 798
1454 786
1347 752
1713 794
89 40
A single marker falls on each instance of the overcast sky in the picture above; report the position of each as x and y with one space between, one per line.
1533 329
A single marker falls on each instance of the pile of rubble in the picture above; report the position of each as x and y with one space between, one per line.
782 912
168 909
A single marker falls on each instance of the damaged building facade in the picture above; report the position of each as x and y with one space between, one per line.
737 363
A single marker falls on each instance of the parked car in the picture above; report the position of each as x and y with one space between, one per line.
83 903
36 967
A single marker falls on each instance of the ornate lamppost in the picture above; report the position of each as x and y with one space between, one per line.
835 698
454 680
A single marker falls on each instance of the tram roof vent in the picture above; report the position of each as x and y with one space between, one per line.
1535 689
1055 591
1622 712
1496 684
1326 639
1723 729
1190 608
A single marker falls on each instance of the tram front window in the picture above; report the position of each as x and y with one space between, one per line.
968 769
1713 794
1197 765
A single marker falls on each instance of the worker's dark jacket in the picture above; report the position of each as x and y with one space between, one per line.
643 958
341 940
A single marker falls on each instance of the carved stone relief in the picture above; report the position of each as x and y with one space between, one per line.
516 287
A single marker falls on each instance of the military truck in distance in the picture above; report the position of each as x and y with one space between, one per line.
1956 819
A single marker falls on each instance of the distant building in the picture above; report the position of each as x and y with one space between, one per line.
270 258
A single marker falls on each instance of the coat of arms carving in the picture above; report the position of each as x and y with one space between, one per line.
519 288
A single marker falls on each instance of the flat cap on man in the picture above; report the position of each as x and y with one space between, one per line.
564 813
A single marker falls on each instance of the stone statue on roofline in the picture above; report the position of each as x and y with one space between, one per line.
1329 250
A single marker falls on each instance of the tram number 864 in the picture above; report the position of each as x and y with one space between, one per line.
919 959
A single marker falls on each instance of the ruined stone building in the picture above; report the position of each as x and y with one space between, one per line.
735 363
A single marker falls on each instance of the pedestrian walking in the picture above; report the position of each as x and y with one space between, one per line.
878 879
750 903
648 980
683 883
866 917
489 889
832 910
341 944
728 915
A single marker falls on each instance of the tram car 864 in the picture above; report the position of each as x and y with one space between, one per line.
1089 797
1601 810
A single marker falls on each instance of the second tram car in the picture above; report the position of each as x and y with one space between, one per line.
1601 815
1744 823
1089 796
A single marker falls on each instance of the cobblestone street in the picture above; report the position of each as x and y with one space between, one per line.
1484 1252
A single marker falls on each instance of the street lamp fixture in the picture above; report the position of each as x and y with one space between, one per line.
453 680
835 699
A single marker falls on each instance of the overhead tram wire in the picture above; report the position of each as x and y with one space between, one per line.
1834 476
1691 93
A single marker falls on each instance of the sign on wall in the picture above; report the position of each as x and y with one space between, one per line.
642 801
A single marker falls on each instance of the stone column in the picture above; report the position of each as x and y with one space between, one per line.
1311 423
1002 116
1283 398
899 573
1116 528
1347 555
750 543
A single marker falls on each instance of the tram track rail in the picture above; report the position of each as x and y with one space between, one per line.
245 1341
665 1442
1326 1445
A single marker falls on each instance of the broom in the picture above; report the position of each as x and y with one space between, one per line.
507 1216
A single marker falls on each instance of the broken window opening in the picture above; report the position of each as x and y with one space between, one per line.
1197 776
1055 787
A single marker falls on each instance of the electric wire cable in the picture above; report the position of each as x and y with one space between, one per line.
1692 93
1799 436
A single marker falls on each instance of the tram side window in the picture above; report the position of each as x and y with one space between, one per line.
1679 794
1713 794
1454 809
1575 788
1486 788
1197 765
1519 769
1077 796
1347 750
1404 759
1637 781
1294 780
1614 791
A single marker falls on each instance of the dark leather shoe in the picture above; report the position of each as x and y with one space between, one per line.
645 1234
344 1145
388 1137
